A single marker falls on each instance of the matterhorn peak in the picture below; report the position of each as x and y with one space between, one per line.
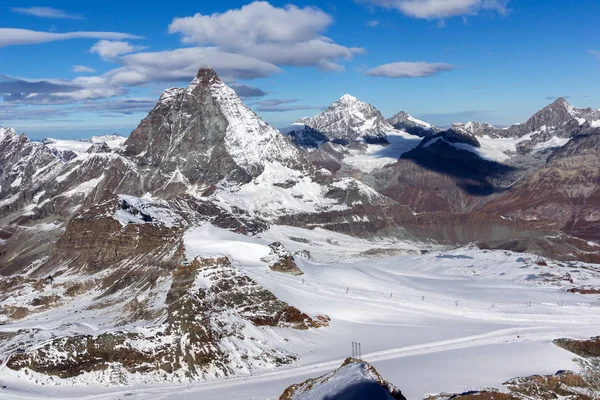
206 133
204 78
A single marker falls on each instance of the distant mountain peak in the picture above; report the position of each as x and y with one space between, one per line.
404 121
349 119
348 98
560 100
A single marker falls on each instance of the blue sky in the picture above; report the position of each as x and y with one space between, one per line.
75 69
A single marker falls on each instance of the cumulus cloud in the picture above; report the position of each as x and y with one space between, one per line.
46 12
83 69
107 50
245 91
282 36
432 9
409 69
373 23
13 36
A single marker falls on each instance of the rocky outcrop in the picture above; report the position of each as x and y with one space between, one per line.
565 190
583 348
281 260
354 380
583 385
199 335
489 394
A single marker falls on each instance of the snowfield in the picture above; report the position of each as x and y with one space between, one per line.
81 146
429 320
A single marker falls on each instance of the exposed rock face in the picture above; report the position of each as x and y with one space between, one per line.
281 260
583 348
219 136
349 119
439 176
565 190
565 384
489 394
305 137
405 122
354 380
199 335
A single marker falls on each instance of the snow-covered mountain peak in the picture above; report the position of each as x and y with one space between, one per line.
207 133
348 99
349 119
406 122
473 128
7 133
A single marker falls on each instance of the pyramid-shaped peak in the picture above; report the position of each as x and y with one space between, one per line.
560 100
561 103
205 78
348 98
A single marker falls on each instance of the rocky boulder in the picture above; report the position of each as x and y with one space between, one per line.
281 260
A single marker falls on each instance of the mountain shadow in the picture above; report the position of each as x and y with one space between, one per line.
475 175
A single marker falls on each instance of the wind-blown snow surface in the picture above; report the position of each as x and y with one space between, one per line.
441 321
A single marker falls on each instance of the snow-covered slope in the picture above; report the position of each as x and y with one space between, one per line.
470 317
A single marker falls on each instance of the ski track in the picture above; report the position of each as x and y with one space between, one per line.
399 307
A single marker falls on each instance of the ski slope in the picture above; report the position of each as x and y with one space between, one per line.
446 320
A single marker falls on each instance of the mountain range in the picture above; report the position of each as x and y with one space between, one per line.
113 220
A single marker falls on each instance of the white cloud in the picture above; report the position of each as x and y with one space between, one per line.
13 36
595 53
83 68
409 69
107 50
47 12
372 23
432 9
281 36
183 64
